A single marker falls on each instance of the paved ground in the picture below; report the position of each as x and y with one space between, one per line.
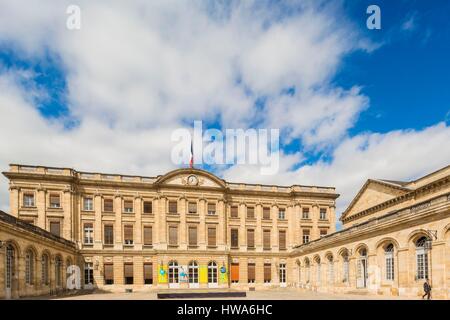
275 294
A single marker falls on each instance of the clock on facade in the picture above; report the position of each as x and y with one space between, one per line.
192 180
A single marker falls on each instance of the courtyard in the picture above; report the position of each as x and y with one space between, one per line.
281 294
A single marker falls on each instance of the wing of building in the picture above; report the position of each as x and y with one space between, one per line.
184 229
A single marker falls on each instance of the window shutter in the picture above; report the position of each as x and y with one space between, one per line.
266 240
128 232
148 273
234 211
251 271
211 236
173 207
109 234
235 272
55 228
173 235
234 238
192 236
148 207
266 213
108 205
108 272
148 235
211 208
128 270
282 239
267 272
250 238
250 212
192 207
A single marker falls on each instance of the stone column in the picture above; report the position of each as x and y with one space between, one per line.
97 264
437 268
138 208
118 270
14 200
332 219
202 241
138 270
258 231
162 228
66 202
274 231
156 226
315 234
221 229
98 243
41 208
242 228
402 269
294 223
118 245
183 211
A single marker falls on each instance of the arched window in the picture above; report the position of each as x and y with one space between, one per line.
389 261
173 272
10 266
193 272
58 267
44 269
29 267
308 271
330 270
345 267
422 259
212 272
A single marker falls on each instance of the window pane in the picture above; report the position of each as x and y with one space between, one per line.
108 205
148 207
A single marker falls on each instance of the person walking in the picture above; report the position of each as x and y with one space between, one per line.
427 290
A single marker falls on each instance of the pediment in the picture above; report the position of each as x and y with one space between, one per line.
191 177
373 192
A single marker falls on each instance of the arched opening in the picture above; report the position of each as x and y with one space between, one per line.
318 271
345 266
212 274
30 267
193 274
44 269
422 262
330 270
389 262
361 270
10 270
58 271
307 271
173 274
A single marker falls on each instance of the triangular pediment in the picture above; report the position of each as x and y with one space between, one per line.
373 192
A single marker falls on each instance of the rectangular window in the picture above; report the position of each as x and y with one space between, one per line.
192 236
128 234
128 273
148 207
28 199
128 206
250 212
281 214
88 273
234 211
235 273
88 233
55 201
173 235
266 239
305 213
148 273
211 236
55 228
108 273
108 205
267 272
250 238
173 207
389 266
305 236
192 207
323 214
148 236
282 239
88 204
323 232
211 209
234 238
108 235
251 273
266 213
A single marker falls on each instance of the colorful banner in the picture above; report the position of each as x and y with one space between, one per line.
223 275
203 274
162 274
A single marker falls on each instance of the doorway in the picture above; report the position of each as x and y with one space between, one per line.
9 271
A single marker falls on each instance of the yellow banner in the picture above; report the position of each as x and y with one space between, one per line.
203 274
162 274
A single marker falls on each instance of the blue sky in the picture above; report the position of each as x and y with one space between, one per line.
351 103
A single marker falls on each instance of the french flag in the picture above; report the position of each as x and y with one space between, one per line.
191 162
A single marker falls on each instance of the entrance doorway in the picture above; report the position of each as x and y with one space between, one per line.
362 275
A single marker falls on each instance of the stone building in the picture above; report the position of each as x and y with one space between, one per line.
395 235
184 229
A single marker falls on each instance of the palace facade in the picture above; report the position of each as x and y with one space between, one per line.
184 229
191 229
